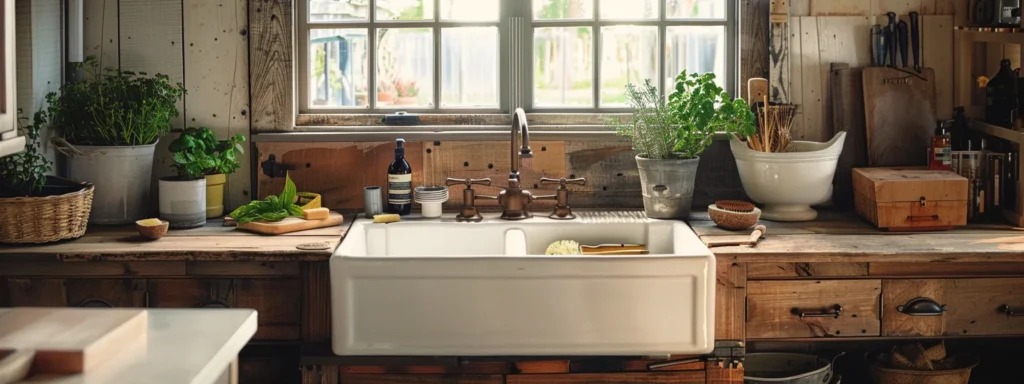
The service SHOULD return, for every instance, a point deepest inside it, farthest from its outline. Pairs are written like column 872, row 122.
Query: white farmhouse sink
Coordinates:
column 465, row 289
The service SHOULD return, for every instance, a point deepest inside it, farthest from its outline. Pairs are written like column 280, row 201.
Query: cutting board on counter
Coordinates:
column 899, row 116
column 291, row 224
column 70, row 340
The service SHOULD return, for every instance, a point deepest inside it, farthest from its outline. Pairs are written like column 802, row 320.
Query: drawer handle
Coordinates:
column 213, row 304
column 836, row 311
column 95, row 303
column 923, row 218
column 922, row 306
column 1009, row 311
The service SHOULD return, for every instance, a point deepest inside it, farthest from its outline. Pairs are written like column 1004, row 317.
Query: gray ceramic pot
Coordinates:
column 667, row 186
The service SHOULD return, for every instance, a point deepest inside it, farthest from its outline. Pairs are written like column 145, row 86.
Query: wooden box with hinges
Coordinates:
column 910, row 199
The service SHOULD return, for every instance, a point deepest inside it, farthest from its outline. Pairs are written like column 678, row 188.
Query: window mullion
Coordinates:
column 662, row 47
column 595, row 55
column 436, row 30
column 371, row 57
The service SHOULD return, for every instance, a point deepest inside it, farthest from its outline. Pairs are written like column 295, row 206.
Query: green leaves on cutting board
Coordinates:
column 273, row 208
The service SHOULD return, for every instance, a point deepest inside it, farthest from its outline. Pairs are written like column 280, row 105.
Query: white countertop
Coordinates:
column 183, row 346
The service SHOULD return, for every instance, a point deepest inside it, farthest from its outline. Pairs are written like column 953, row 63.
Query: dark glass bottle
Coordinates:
column 960, row 135
column 1001, row 96
column 400, row 182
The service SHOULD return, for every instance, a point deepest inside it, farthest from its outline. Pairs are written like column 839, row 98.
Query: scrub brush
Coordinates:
column 563, row 247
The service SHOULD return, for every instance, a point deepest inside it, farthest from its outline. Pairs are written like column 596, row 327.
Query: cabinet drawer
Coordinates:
column 980, row 306
column 275, row 300
column 797, row 309
column 899, row 296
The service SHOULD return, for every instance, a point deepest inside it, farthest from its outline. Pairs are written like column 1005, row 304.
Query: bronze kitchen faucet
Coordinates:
column 514, row 200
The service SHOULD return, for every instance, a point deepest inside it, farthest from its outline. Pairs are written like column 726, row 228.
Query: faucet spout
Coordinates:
column 520, row 128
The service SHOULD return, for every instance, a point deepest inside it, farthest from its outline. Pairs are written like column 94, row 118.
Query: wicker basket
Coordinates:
column 884, row 375
column 45, row 219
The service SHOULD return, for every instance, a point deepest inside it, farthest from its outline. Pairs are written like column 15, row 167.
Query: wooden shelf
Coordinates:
column 992, row 36
column 997, row 131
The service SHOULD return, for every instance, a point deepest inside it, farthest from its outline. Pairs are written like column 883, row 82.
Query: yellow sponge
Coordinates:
column 387, row 218
column 316, row 214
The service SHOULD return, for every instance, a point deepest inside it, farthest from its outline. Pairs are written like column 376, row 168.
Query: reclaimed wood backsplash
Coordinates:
column 339, row 170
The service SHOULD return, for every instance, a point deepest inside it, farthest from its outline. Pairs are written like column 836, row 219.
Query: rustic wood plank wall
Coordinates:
column 340, row 170
column 38, row 47
column 818, row 33
column 203, row 44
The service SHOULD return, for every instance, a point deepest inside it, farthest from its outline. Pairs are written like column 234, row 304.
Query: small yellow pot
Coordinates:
column 215, row 195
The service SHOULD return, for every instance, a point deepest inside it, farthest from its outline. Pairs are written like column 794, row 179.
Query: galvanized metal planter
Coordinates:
column 667, row 186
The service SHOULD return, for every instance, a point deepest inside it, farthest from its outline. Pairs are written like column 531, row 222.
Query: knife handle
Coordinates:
column 890, row 38
column 901, row 32
column 915, row 39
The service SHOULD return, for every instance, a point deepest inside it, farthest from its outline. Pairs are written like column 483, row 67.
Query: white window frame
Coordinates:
column 515, row 28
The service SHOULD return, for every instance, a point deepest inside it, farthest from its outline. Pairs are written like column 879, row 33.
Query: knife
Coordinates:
column 877, row 46
column 901, row 35
column 915, row 39
column 890, row 39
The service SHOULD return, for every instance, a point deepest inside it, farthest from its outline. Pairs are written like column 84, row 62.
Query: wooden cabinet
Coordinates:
column 980, row 307
column 106, row 292
column 37, row 293
column 813, row 308
column 899, row 296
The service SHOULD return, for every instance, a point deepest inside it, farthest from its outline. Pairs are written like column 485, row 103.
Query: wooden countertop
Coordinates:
column 834, row 237
column 844, row 237
column 213, row 242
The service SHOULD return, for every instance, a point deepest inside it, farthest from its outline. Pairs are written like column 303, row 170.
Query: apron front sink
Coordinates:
column 472, row 289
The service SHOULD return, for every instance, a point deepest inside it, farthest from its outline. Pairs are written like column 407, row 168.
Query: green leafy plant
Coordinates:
column 406, row 88
column 684, row 126
column 197, row 153
column 114, row 107
column 273, row 208
column 25, row 172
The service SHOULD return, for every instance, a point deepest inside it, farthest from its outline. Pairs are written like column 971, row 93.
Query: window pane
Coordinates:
column 405, row 10
column 629, row 9
column 562, row 68
column 469, row 67
column 563, row 9
column 695, row 9
column 405, row 67
column 470, row 10
column 629, row 54
column 337, row 68
column 695, row 49
column 337, row 10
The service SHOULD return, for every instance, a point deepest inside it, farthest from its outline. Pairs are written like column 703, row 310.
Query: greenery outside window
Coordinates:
column 488, row 57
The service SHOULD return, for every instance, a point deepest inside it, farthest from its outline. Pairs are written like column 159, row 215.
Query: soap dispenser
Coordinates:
column 400, row 182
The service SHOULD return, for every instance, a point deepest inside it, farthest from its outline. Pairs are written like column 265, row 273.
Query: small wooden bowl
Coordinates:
column 151, row 231
column 733, row 220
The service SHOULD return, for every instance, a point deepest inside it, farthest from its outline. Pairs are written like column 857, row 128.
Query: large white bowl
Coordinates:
column 789, row 183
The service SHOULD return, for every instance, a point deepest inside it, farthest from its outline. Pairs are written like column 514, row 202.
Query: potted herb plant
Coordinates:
column 35, row 207
column 407, row 92
column 109, row 125
column 183, row 196
column 224, row 156
column 669, row 136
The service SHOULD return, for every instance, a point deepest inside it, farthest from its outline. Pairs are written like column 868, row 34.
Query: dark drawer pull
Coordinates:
column 95, row 303
column 1010, row 312
column 836, row 311
column 923, row 218
column 213, row 304
column 922, row 306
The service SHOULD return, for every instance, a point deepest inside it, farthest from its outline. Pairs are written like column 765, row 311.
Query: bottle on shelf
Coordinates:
column 941, row 158
column 1001, row 96
column 400, row 182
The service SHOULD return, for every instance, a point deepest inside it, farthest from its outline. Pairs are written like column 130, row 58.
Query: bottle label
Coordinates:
column 943, row 156
column 400, row 189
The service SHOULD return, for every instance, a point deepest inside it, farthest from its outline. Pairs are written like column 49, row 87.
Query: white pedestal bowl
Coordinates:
column 789, row 183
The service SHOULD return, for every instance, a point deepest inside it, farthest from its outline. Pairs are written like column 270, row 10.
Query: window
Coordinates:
column 490, row 56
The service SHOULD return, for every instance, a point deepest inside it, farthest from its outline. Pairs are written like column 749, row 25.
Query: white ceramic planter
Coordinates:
column 183, row 203
column 789, row 183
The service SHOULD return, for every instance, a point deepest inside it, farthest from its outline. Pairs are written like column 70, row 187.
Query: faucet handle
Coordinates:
column 468, row 182
column 562, row 182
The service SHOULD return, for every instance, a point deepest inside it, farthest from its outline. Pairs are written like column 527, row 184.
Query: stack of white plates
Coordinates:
column 430, row 197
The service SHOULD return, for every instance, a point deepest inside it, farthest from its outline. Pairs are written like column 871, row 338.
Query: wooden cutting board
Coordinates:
column 291, row 224
column 899, row 115
column 848, row 115
column 71, row 340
